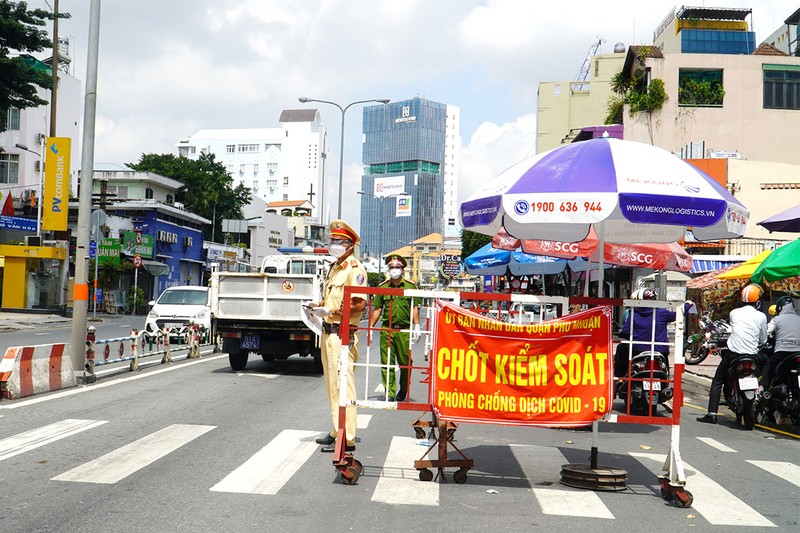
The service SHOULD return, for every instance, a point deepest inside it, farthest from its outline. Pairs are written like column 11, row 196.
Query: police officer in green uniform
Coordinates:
column 397, row 314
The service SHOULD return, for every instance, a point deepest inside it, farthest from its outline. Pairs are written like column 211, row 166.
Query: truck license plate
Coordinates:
column 250, row 342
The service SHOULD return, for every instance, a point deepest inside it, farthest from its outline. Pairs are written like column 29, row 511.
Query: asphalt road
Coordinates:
column 193, row 446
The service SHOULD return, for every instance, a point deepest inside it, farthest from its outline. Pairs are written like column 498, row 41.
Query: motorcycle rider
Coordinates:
column 748, row 334
column 643, row 331
column 786, row 330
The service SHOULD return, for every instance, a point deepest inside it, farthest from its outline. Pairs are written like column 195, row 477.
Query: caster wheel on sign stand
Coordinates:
column 350, row 475
column 460, row 476
column 425, row 474
column 683, row 499
column 419, row 432
column 358, row 466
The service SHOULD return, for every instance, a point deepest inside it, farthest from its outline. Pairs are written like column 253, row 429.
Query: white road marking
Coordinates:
column 272, row 466
column 40, row 334
column 362, row 421
column 711, row 500
column 788, row 471
column 399, row 483
column 23, row 442
column 716, row 444
column 257, row 374
column 99, row 386
column 132, row 457
column 542, row 464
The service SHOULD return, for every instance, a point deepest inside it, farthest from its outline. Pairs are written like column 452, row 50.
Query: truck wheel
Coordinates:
column 317, row 353
column 237, row 360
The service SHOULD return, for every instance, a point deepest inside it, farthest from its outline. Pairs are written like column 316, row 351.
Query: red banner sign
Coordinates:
column 553, row 373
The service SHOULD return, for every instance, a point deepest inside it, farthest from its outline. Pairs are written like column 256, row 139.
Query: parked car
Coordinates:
column 178, row 306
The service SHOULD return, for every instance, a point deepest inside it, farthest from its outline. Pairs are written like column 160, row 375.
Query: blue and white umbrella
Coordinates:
column 488, row 261
column 629, row 192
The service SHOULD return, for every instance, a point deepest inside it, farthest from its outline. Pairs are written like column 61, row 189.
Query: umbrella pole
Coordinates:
column 600, row 284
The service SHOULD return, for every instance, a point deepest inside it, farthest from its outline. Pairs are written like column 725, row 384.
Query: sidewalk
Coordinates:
column 24, row 321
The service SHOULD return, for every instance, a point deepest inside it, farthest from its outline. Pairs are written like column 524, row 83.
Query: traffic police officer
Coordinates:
column 346, row 271
column 397, row 314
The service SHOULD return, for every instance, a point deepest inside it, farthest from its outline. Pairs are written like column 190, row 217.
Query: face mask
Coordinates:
column 337, row 250
column 395, row 273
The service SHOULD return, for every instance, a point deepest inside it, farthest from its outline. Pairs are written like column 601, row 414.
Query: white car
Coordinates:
column 178, row 306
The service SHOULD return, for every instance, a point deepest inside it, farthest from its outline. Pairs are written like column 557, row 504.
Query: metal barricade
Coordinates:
column 141, row 344
column 515, row 308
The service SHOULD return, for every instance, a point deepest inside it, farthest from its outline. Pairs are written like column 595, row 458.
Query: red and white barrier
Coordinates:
column 29, row 370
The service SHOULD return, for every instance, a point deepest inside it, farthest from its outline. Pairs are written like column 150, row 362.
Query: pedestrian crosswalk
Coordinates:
column 393, row 479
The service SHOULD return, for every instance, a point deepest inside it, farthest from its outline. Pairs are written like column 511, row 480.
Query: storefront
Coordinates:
column 32, row 277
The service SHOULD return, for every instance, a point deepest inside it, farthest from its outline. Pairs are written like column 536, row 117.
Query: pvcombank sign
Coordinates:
column 55, row 206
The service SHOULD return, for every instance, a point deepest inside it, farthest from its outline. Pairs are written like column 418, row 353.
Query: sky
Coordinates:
column 168, row 68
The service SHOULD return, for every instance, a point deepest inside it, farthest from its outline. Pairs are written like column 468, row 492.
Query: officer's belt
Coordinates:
column 333, row 329
column 395, row 326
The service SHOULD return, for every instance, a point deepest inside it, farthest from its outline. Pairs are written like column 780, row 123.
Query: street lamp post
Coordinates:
column 39, row 190
column 305, row 100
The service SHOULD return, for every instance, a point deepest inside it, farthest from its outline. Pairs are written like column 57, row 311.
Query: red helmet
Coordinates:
column 752, row 293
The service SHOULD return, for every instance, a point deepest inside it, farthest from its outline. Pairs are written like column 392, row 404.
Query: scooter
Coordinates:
column 741, row 387
column 782, row 395
column 647, row 385
column 710, row 341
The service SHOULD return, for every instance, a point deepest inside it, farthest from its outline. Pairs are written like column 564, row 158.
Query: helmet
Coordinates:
column 637, row 294
column 773, row 310
column 648, row 294
column 782, row 301
column 752, row 293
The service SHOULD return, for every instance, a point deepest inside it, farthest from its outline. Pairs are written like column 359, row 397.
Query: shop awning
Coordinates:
column 155, row 268
column 711, row 263
column 187, row 260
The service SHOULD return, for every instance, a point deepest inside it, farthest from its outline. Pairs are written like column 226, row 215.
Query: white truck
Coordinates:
column 260, row 312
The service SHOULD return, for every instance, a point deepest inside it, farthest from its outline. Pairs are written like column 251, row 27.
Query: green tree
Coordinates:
column 22, row 30
column 471, row 242
column 207, row 189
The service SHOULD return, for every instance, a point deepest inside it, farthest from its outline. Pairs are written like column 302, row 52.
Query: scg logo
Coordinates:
column 521, row 207
column 571, row 247
column 641, row 258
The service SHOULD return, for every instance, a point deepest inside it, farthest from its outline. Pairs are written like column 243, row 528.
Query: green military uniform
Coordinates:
column 397, row 317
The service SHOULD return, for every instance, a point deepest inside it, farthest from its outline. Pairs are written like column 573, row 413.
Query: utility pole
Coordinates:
column 54, row 69
column 81, row 287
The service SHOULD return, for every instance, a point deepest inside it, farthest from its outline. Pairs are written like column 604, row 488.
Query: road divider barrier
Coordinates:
column 29, row 370
column 143, row 344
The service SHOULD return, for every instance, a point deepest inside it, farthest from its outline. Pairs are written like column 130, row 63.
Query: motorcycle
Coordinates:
column 741, row 387
column 782, row 395
column 710, row 341
column 647, row 385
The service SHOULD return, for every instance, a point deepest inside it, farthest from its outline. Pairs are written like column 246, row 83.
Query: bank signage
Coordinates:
column 56, row 183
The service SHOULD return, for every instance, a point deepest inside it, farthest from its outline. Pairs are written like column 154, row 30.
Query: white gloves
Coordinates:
column 415, row 334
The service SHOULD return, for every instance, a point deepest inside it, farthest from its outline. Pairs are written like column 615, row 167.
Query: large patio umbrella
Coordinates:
column 746, row 269
column 628, row 192
column 782, row 263
column 788, row 221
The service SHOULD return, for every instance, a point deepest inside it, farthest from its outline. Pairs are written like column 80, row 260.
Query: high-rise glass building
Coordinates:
column 409, row 179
